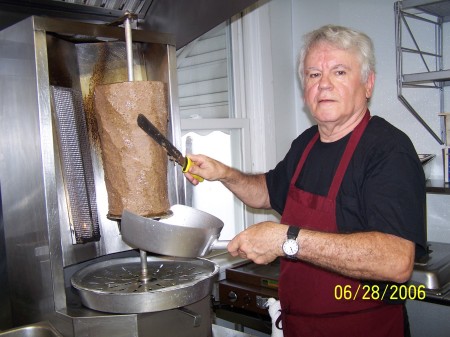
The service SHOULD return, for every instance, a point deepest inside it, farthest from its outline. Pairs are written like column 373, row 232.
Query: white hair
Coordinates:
column 342, row 38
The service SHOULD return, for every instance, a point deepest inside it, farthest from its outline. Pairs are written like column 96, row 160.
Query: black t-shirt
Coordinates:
column 383, row 188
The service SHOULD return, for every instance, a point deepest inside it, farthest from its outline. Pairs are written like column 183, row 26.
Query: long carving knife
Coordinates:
column 171, row 150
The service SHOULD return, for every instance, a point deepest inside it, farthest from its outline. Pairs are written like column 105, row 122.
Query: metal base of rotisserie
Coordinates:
column 117, row 285
column 193, row 320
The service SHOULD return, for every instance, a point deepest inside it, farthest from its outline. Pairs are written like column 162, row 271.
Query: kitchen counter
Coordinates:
column 220, row 331
column 45, row 329
column 224, row 260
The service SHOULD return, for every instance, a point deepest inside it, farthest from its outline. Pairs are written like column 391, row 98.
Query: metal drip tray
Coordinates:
column 41, row 329
column 115, row 285
column 434, row 271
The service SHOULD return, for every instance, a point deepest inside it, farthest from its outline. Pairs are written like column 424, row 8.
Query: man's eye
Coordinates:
column 314, row 75
column 340, row 72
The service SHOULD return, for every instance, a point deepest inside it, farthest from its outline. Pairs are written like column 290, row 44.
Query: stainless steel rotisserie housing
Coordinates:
column 54, row 226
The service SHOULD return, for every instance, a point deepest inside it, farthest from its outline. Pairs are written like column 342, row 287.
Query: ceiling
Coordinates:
column 185, row 19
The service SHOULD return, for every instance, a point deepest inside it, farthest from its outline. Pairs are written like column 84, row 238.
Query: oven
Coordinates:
column 244, row 292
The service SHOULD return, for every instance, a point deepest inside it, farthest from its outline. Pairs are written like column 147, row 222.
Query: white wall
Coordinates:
column 284, row 79
column 375, row 18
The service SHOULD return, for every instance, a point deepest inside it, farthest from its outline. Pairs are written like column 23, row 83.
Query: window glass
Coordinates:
column 213, row 197
column 203, row 82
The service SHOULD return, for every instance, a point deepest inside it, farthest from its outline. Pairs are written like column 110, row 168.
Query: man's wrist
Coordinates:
column 291, row 246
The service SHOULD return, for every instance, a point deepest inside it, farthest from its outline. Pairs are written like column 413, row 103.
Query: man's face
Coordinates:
column 333, row 89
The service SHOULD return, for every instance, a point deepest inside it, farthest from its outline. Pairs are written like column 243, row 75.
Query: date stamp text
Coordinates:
column 392, row 292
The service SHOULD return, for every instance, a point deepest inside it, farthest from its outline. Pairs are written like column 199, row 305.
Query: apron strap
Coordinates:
column 345, row 160
column 303, row 157
column 347, row 156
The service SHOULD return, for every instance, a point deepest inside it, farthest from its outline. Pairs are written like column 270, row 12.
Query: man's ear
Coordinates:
column 370, row 83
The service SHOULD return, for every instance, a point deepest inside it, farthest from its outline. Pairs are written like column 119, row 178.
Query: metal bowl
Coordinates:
column 189, row 232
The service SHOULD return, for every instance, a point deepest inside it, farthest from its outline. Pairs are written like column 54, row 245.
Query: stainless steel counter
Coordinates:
column 224, row 261
column 220, row 331
column 45, row 329
column 434, row 273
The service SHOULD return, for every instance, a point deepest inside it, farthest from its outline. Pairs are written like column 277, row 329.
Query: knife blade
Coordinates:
column 175, row 154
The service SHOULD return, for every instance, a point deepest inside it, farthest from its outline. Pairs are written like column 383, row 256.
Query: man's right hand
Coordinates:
column 205, row 167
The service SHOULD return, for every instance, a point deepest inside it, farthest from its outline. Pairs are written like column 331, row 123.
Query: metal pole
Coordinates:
column 144, row 268
column 129, row 45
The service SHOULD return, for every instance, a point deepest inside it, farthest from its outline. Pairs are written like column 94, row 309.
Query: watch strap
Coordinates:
column 292, row 232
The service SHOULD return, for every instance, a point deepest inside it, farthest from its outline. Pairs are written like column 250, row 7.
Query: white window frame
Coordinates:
column 253, row 90
column 241, row 125
column 252, row 99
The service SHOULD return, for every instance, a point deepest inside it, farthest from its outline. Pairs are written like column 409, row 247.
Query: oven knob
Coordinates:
column 232, row 296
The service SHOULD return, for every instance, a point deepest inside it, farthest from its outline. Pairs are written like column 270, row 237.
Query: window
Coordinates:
column 215, row 120
column 209, row 122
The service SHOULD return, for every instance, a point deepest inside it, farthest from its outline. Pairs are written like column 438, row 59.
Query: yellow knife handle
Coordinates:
column 188, row 165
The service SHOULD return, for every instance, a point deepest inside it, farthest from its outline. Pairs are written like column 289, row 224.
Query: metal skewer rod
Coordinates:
column 144, row 267
column 129, row 46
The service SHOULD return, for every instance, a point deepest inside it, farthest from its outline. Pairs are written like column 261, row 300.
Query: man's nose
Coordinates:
column 325, row 82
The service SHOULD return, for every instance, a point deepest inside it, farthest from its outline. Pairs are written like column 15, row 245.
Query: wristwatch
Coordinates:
column 290, row 246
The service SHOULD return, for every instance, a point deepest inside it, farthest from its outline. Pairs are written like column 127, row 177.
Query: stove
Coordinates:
column 248, row 286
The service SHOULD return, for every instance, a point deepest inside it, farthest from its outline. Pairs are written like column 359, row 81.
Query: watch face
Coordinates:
column 290, row 247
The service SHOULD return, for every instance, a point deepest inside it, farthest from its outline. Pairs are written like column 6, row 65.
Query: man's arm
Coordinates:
column 368, row 255
column 251, row 189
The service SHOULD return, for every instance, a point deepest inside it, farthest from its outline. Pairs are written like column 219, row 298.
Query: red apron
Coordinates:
column 307, row 292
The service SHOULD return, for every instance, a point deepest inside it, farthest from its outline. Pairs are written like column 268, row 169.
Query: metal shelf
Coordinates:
column 437, row 187
column 427, row 77
column 434, row 13
column 438, row 8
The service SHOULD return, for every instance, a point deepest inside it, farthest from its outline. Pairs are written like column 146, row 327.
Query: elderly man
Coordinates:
column 351, row 192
